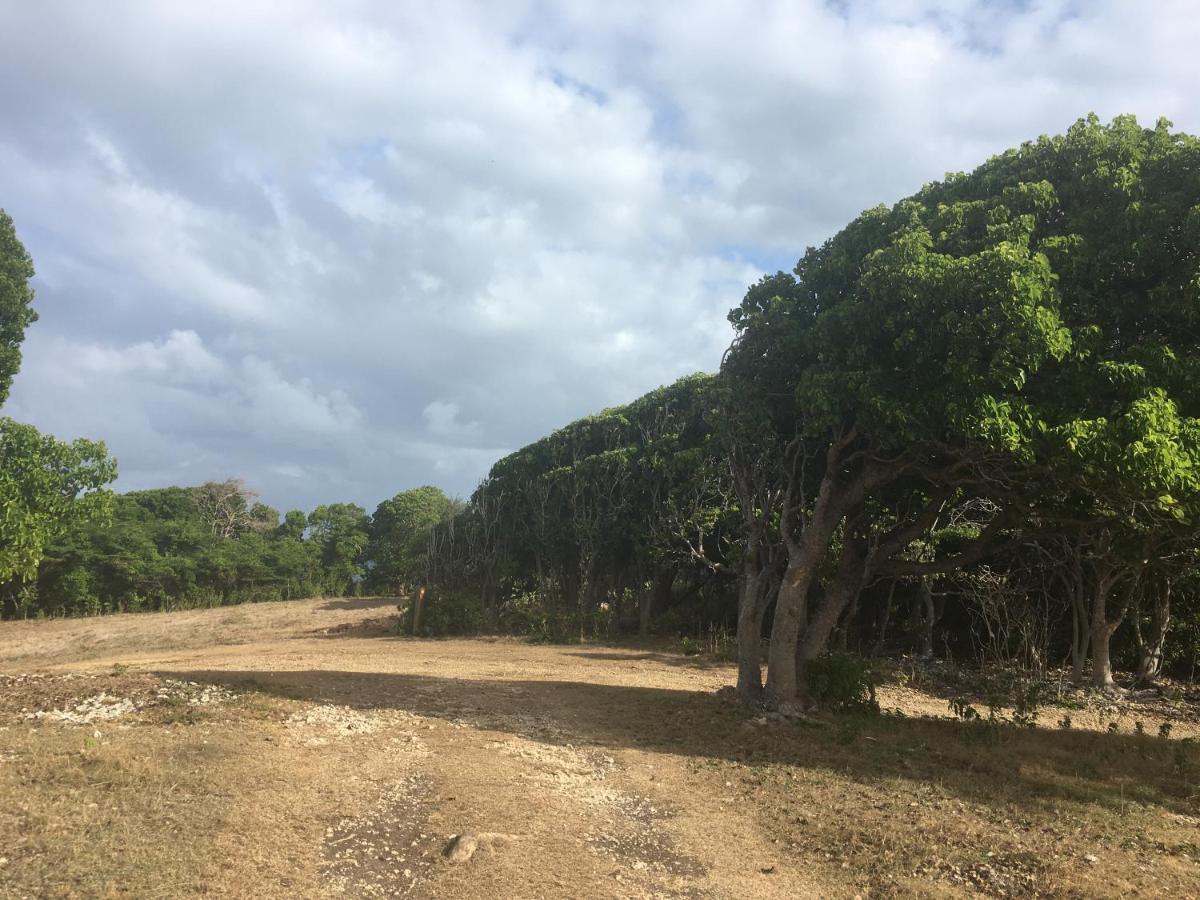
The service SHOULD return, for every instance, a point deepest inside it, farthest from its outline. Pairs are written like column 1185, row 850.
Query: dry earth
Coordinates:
column 303, row 750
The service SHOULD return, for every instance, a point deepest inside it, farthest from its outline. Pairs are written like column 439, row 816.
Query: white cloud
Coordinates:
column 275, row 239
column 442, row 420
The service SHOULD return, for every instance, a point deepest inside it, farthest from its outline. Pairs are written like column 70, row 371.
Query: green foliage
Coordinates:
column 842, row 681
column 340, row 531
column 46, row 485
column 1002, row 690
column 16, row 302
column 450, row 612
column 159, row 551
column 399, row 536
column 531, row 614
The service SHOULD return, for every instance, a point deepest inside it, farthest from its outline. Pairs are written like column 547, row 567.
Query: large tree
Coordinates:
column 45, row 484
column 340, row 531
column 1031, row 322
column 399, row 536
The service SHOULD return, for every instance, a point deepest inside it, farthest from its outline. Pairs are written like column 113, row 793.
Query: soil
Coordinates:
column 306, row 749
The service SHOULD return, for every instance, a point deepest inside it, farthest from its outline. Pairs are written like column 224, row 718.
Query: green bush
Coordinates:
column 842, row 681
column 451, row 612
column 530, row 614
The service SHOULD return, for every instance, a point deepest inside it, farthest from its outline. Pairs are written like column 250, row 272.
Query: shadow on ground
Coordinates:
column 394, row 627
column 997, row 765
column 360, row 603
column 619, row 654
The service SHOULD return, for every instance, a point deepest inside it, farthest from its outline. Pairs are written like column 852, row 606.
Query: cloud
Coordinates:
column 442, row 420
column 342, row 253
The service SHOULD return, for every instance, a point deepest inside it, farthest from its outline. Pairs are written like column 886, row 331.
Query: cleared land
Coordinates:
column 302, row 749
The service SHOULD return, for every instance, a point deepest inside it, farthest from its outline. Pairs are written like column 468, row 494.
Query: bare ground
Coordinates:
column 303, row 750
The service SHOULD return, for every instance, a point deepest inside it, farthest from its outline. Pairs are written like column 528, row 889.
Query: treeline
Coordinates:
column 969, row 421
column 966, row 424
column 215, row 544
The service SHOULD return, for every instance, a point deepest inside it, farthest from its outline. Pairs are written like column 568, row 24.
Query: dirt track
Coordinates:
column 332, row 757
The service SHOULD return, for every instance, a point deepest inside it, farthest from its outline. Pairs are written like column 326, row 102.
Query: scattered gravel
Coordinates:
column 107, row 705
column 335, row 721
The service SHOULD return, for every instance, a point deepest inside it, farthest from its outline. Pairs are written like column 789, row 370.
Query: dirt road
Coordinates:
column 303, row 749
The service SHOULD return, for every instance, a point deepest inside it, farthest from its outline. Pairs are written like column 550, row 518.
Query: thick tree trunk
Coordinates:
column 782, row 677
column 1151, row 644
column 804, row 560
column 749, row 639
column 841, row 593
column 1102, row 676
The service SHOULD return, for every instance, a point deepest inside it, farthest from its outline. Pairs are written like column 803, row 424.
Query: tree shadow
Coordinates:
column 359, row 603
column 374, row 627
column 670, row 659
column 1034, row 768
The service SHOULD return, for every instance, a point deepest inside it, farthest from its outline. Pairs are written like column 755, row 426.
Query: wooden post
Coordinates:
column 417, row 610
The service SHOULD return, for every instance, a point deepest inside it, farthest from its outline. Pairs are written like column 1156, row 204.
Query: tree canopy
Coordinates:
column 16, row 301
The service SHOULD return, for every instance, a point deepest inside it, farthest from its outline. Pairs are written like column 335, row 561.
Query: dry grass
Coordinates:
column 337, row 759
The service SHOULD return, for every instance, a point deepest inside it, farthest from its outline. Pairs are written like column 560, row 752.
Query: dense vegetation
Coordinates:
column 213, row 545
column 968, row 424
column 973, row 415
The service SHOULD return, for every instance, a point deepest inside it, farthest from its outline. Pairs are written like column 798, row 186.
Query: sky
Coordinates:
column 343, row 249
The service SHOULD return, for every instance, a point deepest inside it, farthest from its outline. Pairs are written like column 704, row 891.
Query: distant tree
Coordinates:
column 294, row 524
column 340, row 532
column 399, row 536
column 227, row 508
column 262, row 519
column 159, row 551
column 45, row 486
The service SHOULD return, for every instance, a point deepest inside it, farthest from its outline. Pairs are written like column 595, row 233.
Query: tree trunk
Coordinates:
column 1102, row 676
column 1150, row 646
column 841, row 593
column 749, row 639
column 791, row 606
column 417, row 610
column 782, row 676
column 1081, row 639
column 1102, row 632
column 929, row 619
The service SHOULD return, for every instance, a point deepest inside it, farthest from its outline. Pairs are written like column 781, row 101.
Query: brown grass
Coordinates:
column 346, row 757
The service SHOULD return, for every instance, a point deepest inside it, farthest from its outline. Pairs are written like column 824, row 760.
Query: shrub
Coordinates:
column 531, row 614
column 451, row 612
column 842, row 681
